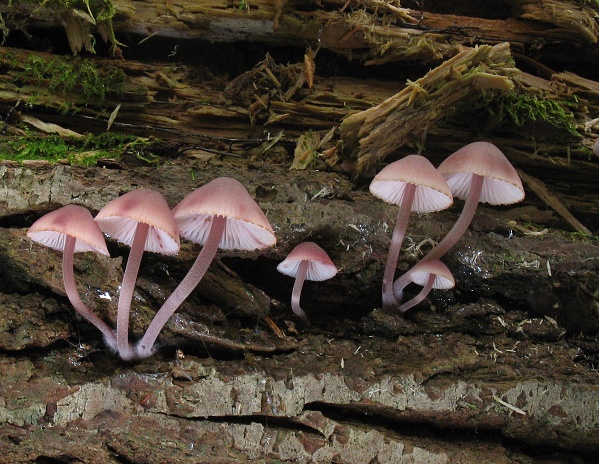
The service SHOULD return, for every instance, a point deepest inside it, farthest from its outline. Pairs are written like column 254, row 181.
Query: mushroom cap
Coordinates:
column 432, row 192
column 320, row 267
column 119, row 218
column 501, row 186
column 247, row 227
column 421, row 272
column 76, row 221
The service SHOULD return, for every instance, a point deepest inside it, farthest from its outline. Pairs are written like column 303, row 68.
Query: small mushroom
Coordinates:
column 429, row 274
column 220, row 214
column 71, row 229
column 414, row 184
column 477, row 172
column 307, row 261
column 143, row 220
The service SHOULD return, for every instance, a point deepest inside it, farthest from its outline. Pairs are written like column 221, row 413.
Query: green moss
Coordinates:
column 67, row 75
column 81, row 151
column 580, row 237
column 524, row 108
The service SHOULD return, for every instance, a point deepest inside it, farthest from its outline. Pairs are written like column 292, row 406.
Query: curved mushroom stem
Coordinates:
column 421, row 296
column 145, row 346
column 399, row 232
column 452, row 237
column 297, row 290
column 70, row 287
column 127, row 288
column 461, row 225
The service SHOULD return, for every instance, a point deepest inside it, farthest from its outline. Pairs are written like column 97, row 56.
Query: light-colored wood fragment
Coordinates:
column 371, row 135
column 551, row 200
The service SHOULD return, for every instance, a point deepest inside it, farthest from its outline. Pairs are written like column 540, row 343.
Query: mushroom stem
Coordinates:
column 73, row 295
column 297, row 290
column 127, row 288
column 452, row 237
column 461, row 225
column 399, row 232
column 421, row 296
column 145, row 346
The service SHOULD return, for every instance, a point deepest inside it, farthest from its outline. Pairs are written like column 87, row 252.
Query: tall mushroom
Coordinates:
column 220, row 214
column 414, row 184
column 71, row 229
column 477, row 172
column 307, row 261
column 143, row 220
column 428, row 274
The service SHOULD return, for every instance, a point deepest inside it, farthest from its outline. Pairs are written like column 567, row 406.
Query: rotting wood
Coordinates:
column 160, row 100
column 178, row 103
column 171, row 102
column 370, row 30
column 485, row 350
column 541, row 190
column 370, row 135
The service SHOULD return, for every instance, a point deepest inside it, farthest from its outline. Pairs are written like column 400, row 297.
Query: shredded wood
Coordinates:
column 373, row 134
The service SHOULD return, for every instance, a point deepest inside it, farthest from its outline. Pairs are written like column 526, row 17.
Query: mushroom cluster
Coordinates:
column 222, row 215
column 478, row 172
column 414, row 184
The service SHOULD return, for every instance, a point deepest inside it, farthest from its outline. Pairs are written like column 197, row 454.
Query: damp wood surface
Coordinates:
column 303, row 102
column 512, row 351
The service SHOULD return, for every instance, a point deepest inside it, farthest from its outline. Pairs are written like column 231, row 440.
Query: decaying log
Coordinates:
column 373, row 134
column 371, row 30
column 273, row 100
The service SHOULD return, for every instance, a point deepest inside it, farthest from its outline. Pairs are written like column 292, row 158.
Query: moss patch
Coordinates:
column 65, row 76
column 82, row 151
column 523, row 108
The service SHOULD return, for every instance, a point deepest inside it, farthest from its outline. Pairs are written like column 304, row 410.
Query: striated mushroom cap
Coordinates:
column 501, row 186
column 421, row 272
column 76, row 221
column 247, row 227
column 320, row 266
column 432, row 192
column 119, row 219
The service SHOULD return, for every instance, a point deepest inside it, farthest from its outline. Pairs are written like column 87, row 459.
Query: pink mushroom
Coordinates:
column 71, row 229
column 414, row 184
column 142, row 220
column 220, row 214
column 477, row 172
column 429, row 274
column 307, row 261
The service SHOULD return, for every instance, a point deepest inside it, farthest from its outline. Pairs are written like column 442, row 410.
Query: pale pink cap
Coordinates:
column 432, row 192
column 501, row 186
column 52, row 230
column 320, row 265
column 119, row 219
column 247, row 227
column 421, row 272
